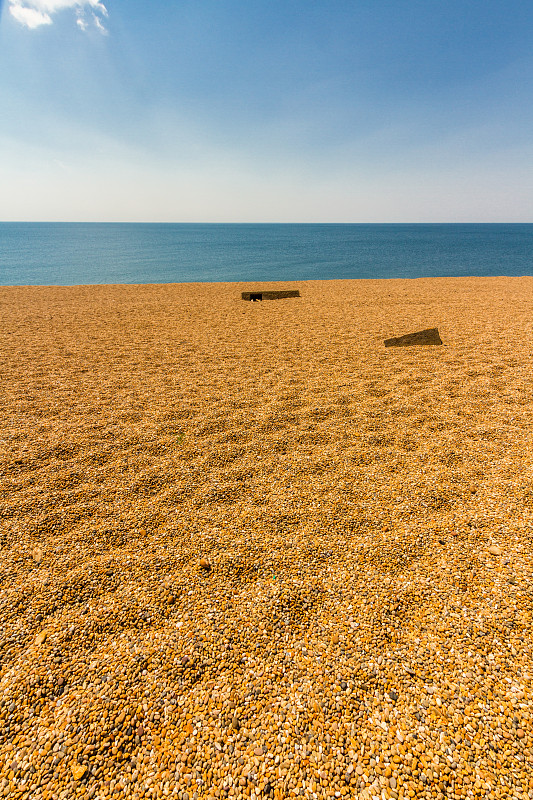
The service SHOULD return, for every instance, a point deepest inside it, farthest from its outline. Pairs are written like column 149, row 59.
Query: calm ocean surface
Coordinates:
column 94, row 253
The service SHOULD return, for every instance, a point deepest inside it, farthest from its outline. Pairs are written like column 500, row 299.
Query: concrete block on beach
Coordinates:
column 275, row 295
column 429, row 336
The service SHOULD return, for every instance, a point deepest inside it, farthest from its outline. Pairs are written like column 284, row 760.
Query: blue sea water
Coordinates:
column 99, row 253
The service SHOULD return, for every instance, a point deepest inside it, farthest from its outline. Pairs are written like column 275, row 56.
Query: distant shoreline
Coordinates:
column 264, row 284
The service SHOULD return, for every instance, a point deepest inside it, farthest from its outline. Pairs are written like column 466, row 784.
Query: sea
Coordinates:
column 69, row 254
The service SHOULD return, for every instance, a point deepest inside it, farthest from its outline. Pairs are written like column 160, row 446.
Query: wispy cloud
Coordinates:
column 35, row 13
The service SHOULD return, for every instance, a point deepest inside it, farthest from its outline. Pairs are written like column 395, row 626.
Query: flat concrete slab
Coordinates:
column 429, row 336
column 275, row 295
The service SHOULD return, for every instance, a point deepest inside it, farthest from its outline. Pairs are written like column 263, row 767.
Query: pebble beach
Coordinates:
column 246, row 551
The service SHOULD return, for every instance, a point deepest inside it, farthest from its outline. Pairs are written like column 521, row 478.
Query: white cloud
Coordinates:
column 29, row 17
column 34, row 13
column 98, row 24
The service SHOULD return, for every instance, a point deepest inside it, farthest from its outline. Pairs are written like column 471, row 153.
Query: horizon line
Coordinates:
column 206, row 222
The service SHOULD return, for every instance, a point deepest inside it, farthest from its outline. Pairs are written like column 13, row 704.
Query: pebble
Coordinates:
column 495, row 550
column 78, row 771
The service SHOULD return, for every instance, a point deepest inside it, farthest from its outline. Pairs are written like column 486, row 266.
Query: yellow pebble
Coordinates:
column 78, row 771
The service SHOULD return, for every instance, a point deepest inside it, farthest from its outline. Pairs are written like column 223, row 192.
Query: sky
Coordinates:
column 266, row 110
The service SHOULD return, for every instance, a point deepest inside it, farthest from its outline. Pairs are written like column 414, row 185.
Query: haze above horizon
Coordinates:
column 292, row 111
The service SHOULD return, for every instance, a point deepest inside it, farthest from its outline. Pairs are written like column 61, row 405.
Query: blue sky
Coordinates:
column 398, row 111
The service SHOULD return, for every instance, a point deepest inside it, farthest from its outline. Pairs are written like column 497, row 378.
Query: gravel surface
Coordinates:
column 249, row 552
